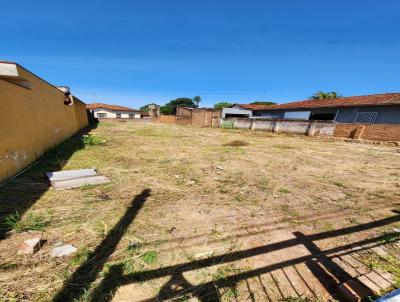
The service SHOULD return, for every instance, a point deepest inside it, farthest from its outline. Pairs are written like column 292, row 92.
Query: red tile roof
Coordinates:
column 109, row 107
column 364, row 100
column 252, row 106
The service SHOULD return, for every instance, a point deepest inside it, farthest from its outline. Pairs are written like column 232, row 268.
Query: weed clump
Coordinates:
column 92, row 140
column 31, row 222
column 133, row 246
column 81, row 256
column 149, row 257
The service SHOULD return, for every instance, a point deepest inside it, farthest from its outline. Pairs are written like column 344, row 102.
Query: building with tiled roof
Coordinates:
column 101, row 110
column 366, row 109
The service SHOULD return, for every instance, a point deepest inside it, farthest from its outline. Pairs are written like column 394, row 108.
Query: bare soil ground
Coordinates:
column 190, row 216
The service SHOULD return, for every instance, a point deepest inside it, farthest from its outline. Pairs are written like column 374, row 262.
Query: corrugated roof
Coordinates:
column 109, row 107
column 364, row 100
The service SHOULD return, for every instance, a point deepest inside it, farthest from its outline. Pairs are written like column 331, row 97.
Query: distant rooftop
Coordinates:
column 364, row 100
column 109, row 107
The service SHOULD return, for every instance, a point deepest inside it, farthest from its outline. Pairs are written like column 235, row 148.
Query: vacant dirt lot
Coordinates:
column 200, row 213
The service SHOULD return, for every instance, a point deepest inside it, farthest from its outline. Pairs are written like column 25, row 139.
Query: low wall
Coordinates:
column 168, row 119
column 183, row 120
column 379, row 132
column 267, row 125
column 124, row 120
column 242, row 123
column 345, row 130
column 299, row 127
column 33, row 120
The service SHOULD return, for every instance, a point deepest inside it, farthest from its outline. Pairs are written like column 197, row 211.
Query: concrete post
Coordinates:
column 253, row 124
column 358, row 133
column 312, row 128
column 276, row 126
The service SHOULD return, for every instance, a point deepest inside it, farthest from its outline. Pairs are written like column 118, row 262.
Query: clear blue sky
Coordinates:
column 134, row 52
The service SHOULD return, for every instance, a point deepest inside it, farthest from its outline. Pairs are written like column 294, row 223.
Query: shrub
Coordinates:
column 91, row 140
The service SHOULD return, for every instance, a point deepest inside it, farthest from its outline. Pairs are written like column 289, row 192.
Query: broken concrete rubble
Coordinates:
column 30, row 246
column 64, row 250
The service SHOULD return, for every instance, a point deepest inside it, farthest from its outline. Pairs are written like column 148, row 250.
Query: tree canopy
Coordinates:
column 263, row 103
column 320, row 95
column 170, row 107
column 145, row 108
column 221, row 105
column 197, row 100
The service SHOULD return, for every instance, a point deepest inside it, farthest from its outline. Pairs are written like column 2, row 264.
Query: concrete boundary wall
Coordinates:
column 378, row 132
column 299, row 127
column 168, row 119
column 183, row 120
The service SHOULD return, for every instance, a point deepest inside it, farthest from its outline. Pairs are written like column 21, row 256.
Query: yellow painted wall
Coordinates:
column 32, row 121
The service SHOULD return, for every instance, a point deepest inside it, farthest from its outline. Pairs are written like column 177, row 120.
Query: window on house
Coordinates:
column 118, row 115
column 322, row 116
column 102, row 115
column 297, row 115
column 131, row 115
column 366, row 117
column 228, row 115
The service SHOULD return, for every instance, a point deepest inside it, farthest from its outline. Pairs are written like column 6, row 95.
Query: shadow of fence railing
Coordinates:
column 318, row 261
column 87, row 273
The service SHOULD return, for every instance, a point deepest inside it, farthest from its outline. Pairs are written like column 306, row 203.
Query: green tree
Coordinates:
column 197, row 100
column 170, row 107
column 263, row 103
column 145, row 108
column 221, row 105
column 320, row 95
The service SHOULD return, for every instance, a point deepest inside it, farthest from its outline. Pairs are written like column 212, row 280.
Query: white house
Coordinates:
column 100, row 110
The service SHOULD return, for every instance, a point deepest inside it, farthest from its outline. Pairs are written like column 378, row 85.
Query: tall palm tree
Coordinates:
column 320, row 95
column 197, row 100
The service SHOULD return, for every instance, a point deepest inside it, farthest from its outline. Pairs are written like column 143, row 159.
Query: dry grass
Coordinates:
column 236, row 144
column 206, row 199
